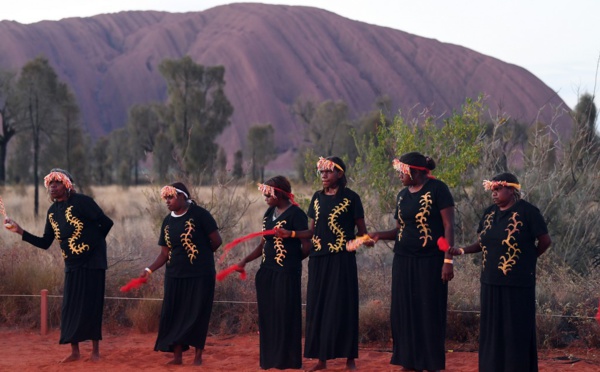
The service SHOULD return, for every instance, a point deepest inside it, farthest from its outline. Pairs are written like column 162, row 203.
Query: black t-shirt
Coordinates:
column 283, row 254
column 80, row 226
column 508, row 241
column 187, row 237
column 335, row 219
column 420, row 220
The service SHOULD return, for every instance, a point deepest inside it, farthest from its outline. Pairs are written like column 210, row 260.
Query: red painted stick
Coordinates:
column 598, row 314
column 225, row 272
column 237, row 241
column 133, row 283
column 443, row 244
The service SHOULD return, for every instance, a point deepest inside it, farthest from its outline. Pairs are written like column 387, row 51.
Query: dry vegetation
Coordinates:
column 566, row 300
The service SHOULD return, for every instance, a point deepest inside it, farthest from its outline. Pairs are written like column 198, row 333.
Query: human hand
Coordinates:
column 11, row 225
column 456, row 251
column 447, row 272
column 241, row 266
column 282, row 233
column 374, row 237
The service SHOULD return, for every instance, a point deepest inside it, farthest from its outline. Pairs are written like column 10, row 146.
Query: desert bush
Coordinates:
column 556, row 174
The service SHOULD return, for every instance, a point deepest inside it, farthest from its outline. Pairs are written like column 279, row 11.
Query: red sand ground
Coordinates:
column 28, row 351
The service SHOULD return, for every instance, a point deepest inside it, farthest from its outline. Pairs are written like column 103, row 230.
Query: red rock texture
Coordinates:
column 272, row 55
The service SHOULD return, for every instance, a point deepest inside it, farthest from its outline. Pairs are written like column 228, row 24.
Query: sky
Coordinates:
column 556, row 40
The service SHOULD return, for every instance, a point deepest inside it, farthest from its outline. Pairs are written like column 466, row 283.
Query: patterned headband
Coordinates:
column 172, row 191
column 60, row 177
column 489, row 185
column 270, row 190
column 326, row 164
column 405, row 168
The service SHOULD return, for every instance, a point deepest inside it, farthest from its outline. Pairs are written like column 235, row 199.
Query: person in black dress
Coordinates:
column 332, row 292
column 512, row 234
column 189, row 236
column 420, row 271
column 278, row 281
column 81, row 227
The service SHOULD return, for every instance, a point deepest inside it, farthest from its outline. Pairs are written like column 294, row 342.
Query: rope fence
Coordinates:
column 44, row 307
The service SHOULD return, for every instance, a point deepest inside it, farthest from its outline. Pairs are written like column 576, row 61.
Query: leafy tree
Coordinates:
column 143, row 124
column 456, row 145
column 9, row 111
column 162, row 155
column 198, row 111
column 328, row 130
column 261, row 149
column 99, row 165
column 120, row 158
column 67, row 142
column 238, row 166
column 38, row 87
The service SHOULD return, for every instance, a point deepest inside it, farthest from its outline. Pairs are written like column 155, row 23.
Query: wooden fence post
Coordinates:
column 44, row 312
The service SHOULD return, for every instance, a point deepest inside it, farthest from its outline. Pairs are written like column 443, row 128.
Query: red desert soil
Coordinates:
column 126, row 350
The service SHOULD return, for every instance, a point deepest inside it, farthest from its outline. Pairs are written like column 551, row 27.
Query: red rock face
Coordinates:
column 272, row 55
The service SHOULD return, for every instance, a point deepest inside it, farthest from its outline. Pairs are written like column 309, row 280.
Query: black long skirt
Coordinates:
column 507, row 340
column 332, row 307
column 83, row 303
column 185, row 314
column 279, row 318
column 418, row 313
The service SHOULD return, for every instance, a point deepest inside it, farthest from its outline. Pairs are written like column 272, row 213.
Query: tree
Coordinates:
column 238, row 166
column 328, row 130
column 67, row 143
column 99, row 164
column 143, row 124
column 9, row 111
column 585, row 123
column 38, row 91
column 198, row 111
column 261, row 149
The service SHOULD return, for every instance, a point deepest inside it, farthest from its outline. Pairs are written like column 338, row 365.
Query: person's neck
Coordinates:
column 417, row 186
column 281, row 207
column 332, row 190
column 507, row 205
column 181, row 211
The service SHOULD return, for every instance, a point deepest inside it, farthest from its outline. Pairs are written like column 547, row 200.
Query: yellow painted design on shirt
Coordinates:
column 75, row 222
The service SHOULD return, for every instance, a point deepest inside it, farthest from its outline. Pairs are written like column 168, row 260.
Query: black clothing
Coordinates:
column 332, row 292
column 189, row 279
column 278, row 292
column 81, row 228
column 187, row 237
column 507, row 335
column 419, row 296
column 508, row 241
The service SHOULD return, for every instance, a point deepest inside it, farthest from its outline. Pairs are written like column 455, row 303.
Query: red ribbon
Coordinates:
column 225, row 272
column 237, row 241
column 133, row 283
column 443, row 244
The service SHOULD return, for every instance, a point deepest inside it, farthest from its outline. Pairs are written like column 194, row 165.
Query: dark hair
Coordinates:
column 343, row 181
column 509, row 177
column 66, row 173
column 281, row 183
column 418, row 160
column 181, row 186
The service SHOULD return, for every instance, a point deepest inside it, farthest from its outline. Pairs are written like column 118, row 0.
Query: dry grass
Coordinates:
column 566, row 301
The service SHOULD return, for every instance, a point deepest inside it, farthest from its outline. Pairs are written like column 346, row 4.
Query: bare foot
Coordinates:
column 198, row 357
column 175, row 362
column 350, row 365
column 94, row 357
column 319, row 366
column 71, row 358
